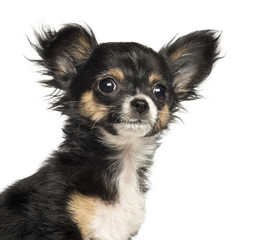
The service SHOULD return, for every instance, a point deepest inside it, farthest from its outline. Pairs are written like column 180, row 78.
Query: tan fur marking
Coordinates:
column 177, row 54
column 61, row 70
column 154, row 78
column 163, row 118
column 79, row 50
column 90, row 108
column 116, row 73
column 83, row 42
column 83, row 210
column 81, row 47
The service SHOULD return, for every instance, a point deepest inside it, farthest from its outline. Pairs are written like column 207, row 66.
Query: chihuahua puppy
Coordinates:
column 118, row 98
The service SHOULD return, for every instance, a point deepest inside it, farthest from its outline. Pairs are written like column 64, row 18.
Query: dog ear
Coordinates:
column 190, row 59
column 63, row 52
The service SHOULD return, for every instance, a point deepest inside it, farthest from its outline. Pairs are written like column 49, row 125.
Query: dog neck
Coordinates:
column 108, row 162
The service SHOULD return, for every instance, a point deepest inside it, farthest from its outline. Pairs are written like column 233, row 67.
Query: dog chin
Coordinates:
column 133, row 129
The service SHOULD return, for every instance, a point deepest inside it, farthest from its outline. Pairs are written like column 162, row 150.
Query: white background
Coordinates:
column 204, row 181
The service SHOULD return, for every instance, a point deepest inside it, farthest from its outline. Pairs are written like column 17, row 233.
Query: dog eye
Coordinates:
column 160, row 91
column 107, row 85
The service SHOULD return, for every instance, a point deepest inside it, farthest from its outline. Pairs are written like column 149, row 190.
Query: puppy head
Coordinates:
column 125, row 88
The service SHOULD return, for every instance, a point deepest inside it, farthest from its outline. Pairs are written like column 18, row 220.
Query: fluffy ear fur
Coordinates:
column 190, row 59
column 63, row 52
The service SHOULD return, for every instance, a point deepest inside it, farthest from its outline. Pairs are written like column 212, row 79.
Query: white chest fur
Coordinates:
column 121, row 220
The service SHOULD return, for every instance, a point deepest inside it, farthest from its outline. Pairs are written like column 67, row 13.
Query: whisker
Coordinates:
column 166, row 112
column 119, row 118
column 99, row 118
column 97, row 104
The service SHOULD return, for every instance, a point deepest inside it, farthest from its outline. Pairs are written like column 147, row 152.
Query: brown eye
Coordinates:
column 107, row 85
column 160, row 91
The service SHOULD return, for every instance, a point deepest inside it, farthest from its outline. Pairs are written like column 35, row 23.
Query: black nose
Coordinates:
column 140, row 105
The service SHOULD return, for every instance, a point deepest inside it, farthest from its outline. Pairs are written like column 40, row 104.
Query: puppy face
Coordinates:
column 124, row 88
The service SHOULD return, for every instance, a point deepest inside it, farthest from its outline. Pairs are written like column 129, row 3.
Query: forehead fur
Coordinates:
column 127, row 56
column 154, row 77
column 116, row 73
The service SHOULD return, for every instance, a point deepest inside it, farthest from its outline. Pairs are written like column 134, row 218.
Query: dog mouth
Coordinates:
column 136, row 121
column 128, row 120
column 134, row 127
